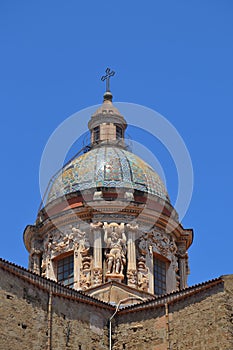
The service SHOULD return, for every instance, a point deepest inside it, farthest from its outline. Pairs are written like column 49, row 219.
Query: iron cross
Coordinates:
column 107, row 77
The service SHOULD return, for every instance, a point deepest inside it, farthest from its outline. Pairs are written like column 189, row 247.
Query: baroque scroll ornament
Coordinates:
column 158, row 242
column 58, row 243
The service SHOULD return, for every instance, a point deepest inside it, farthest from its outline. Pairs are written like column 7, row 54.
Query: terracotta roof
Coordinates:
column 66, row 292
column 173, row 297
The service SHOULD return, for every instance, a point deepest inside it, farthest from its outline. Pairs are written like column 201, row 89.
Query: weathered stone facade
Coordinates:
column 37, row 313
column 104, row 251
column 199, row 319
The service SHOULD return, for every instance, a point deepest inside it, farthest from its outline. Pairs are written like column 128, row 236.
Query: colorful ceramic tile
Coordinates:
column 107, row 167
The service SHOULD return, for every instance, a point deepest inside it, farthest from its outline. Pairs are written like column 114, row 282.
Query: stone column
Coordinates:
column 150, row 265
column 131, row 252
column 77, row 265
column 181, row 253
column 97, row 230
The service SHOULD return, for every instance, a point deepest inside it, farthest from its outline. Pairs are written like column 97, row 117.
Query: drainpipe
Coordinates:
column 113, row 315
column 50, row 321
column 168, row 326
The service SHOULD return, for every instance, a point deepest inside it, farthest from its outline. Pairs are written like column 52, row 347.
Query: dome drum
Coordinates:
column 106, row 197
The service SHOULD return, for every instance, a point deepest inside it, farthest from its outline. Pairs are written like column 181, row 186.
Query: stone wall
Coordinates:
column 141, row 330
column 198, row 318
column 202, row 322
column 198, row 321
column 25, row 322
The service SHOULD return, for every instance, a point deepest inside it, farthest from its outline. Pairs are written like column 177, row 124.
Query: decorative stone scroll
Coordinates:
column 74, row 240
column 162, row 244
column 97, row 276
column 85, row 275
column 132, row 278
column 82, row 250
column 58, row 243
column 143, row 277
column 115, row 239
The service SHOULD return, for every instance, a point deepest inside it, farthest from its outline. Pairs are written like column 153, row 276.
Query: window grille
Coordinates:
column 119, row 132
column 159, row 276
column 65, row 271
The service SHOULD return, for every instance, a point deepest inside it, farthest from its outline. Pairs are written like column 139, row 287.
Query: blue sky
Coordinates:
column 172, row 56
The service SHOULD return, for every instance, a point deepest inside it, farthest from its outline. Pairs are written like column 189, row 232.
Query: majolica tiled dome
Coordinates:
column 107, row 166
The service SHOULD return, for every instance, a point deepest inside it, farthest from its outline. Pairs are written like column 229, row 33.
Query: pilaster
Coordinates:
column 150, row 264
column 131, row 253
column 97, row 230
column 182, row 257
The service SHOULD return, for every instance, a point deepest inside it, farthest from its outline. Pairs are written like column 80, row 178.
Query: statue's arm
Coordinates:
column 106, row 239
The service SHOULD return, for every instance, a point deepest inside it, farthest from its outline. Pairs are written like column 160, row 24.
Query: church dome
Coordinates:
column 108, row 219
column 107, row 167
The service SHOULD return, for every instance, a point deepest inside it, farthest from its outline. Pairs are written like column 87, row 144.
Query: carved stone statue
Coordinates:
column 80, row 237
column 114, row 237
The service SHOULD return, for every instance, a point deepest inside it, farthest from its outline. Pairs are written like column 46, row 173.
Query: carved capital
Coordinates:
column 96, row 226
column 181, row 250
column 132, row 227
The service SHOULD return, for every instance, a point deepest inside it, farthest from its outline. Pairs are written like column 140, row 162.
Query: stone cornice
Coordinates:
column 99, row 211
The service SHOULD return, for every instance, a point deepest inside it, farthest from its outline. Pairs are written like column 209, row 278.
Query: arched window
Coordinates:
column 65, row 270
column 96, row 134
column 160, row 268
